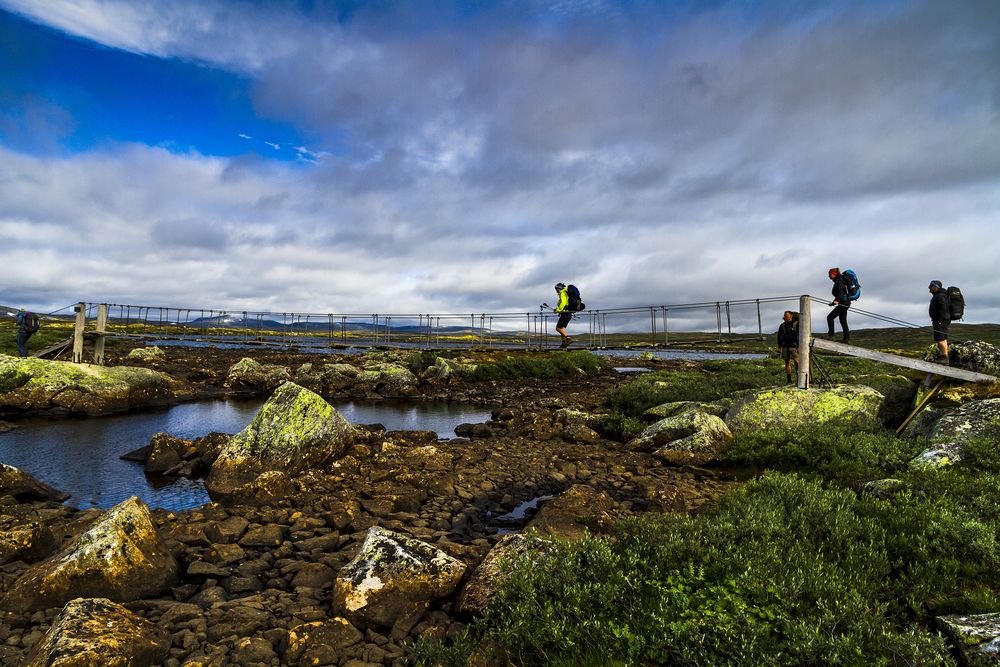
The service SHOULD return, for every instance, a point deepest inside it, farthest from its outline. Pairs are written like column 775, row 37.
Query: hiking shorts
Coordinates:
column 941, row 330
column 789, row 352
column 564, row 319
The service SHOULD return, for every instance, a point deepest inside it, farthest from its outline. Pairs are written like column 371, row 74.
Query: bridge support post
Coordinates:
column 102, row 323
column 805, row 336
column 81, row 321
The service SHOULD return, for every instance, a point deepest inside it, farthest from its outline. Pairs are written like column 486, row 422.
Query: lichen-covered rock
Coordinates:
column 121, row 558
column 165, row 452
column 390, row 380
column 790, row 407
column 304, row 640
column 28, row 543
column 951, row 429
column 392, row 576
column 692, row 437
column 96, row 632
column 977, row 356
column 41, row 385
column 265, row 489
column 295, row 430
column 23, row 487
column 883, row 488
column 444, row 369
column 152, row 353
column 977, row 637
column 563, row 515
column 489, row 575
column 249, row 374
column 665, row 410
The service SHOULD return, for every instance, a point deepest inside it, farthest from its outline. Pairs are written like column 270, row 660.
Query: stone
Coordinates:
column 96, row 632
column 689, row 438
column 268, row 536
column 250, row 650
column 165, row 452
column 561, row 516
column 313, row 575
column 581, row 434
column 250, row 374
column 147, row 354
column 294, row 431
column 789, row 407
column 489, row 575
column 976, row 637
column 392, row 575
column 31, row 385
column 22, row 487
column 304, row 640
column 976, row 355
column 387, row 379
column 952, row 429
column 27, row 543
column 671, row 409
column 883, row 488
column 121, row 558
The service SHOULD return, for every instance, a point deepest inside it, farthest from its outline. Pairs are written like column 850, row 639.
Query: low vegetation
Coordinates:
column 798, row 566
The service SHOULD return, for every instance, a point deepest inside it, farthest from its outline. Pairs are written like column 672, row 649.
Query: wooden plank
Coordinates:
column 905, row 362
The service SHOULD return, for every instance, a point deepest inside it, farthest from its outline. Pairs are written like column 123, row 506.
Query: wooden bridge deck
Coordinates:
column 896, row 360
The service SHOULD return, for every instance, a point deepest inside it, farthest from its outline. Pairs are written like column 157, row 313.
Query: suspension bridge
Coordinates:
column 667, row 325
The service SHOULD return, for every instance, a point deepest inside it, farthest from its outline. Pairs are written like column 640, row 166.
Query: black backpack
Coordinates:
column 956, row 303
column 575, row 302
column 30, row 322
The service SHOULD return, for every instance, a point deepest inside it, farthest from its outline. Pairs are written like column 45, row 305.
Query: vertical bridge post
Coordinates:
column 102, row 323
column 805, row 336
column 81, row 321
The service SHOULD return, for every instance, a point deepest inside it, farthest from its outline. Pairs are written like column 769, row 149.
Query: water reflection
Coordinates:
column 81, row 456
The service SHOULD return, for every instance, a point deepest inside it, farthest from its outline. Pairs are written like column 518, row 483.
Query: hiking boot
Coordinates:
column 789, row 377
column 566, row 341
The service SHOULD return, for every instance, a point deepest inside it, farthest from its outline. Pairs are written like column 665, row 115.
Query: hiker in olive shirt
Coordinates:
column 788, row 342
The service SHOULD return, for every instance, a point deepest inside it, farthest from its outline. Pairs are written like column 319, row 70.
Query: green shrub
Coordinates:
column 711, row 380
column 13, row 378
column 782, row 572
column 848, row 453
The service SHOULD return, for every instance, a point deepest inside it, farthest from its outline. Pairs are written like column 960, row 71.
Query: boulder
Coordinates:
column 975, row 355
column 393, row 576
column 23, row 487
column 165, row 452
column 147, row 354
column 295, row 430
column 121, row 558
column 490, row 574
column 96, row 632
column 390, row 380
column 304, row 641
column 665, row 410
column 976, row 638
column 445, row 369
column 692, row 437
column 255, row 376
column 27, row 543
column 41, row 385
column 952, row 429
column 789, row 407
column 562, row 516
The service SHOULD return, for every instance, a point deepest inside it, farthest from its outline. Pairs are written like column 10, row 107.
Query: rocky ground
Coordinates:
column 255, row 582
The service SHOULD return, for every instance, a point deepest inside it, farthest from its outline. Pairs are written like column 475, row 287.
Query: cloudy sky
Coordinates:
column 464, row 156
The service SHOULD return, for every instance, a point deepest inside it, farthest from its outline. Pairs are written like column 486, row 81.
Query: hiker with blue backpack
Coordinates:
column 846, row 289
column 569, row 303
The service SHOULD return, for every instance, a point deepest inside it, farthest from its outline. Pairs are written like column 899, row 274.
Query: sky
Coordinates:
column 460, row 157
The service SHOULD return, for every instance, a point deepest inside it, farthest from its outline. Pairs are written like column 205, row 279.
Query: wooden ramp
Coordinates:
column 896, row 360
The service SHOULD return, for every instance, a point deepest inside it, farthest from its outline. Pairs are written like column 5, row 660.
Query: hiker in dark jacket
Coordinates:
column 27, row 325
column 940, row 312
column 841, row 302
column 788, row 342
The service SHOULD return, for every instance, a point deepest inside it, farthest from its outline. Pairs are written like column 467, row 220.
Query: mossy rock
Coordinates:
column 35, row 385
column 788, row 407
column 295, row 430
